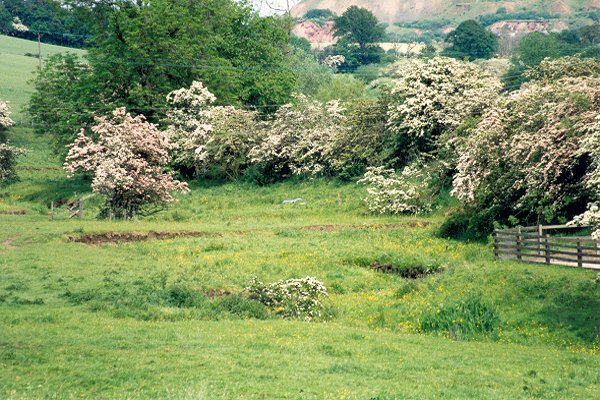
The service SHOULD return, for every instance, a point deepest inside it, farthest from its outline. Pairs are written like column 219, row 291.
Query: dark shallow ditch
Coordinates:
column 125, row 237
column 416, row 271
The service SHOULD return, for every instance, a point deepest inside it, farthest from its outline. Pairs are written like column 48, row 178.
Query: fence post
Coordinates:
column 579, row 254
column 496, row 249
column 519, row 244
column 540, row 233
column 52, row 211
column 547, row 248
column 80, row 209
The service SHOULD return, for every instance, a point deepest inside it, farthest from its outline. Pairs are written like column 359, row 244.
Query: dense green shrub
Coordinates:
column 502, row 15
column 406, row 267
column 467, row 225
column 424, row 23
column 241, row 306
column 154, row 298
column 462, row 319
column 472, row 41
column 8, row 161
column 536, row 47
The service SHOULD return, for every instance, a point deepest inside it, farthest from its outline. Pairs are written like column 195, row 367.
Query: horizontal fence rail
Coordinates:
column 534, row 244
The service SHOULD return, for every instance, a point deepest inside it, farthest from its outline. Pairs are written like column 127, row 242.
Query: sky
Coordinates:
column 263, row 5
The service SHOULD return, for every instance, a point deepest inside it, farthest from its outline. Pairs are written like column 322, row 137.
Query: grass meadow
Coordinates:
column 18, row 62
column 167, row 318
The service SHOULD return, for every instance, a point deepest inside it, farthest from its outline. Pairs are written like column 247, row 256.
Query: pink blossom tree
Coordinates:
column 127, row 156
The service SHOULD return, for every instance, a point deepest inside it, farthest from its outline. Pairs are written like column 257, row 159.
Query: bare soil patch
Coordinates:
column 336, row 227
column 125, row 237
column 14, row 211
column 8, row 243
column 216, row 293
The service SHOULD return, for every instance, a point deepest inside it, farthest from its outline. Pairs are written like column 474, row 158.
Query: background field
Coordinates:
column 16, row 69
column 80, row 320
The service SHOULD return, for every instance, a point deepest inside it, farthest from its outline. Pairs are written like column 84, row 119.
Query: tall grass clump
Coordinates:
column 466, row 318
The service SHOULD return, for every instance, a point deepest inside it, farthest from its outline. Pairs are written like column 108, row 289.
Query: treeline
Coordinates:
column 142, row 52
column 535, row 47
column 224, row 95
column 63, row 22
column 503, row 15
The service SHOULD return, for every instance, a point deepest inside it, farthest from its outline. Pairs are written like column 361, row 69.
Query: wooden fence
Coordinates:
column 535, row 244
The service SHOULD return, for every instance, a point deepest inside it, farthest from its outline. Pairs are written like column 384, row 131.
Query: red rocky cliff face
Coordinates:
column 315, row 33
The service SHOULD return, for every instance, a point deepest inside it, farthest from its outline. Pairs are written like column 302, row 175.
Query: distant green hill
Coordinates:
column 18, row 62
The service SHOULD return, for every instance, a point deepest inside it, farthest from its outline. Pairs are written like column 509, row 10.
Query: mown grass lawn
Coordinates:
column 80, row 320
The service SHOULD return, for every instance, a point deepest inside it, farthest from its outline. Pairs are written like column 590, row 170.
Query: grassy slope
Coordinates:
column 546, row 346
column 16, row 69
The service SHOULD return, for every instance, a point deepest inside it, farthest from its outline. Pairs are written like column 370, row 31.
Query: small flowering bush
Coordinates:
column 127, row 157
column 591, row 217
column 294, row 298
column 334, row 61
column 5, row 120
column 8, row 154
column 390, row 193
column 19, row 26
column 550, row 70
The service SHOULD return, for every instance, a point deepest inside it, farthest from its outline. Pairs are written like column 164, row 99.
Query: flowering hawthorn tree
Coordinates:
column 19, row 26
column 8, row 154
column 391, row 193
column 334, row 61
column 302, row 138
column 127, row 156
column 188, row 129
column 535, row 155
column 436, row 96
column 5, row 120
column 210, row 137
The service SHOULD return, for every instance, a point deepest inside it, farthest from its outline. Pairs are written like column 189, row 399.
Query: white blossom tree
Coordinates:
column 302, row 137
column 432, row 97
column 535, row 155
column 8, row 154
column 208, row 137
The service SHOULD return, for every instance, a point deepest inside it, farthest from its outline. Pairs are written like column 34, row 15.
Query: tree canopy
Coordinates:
column 145, row 50
column 471, row 40
column 359, row 25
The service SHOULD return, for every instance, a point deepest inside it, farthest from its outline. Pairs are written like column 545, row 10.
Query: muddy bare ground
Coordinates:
column 14, row 211
column 125, row 237
column 335, row 227
column 217, row 293
column 8, row 244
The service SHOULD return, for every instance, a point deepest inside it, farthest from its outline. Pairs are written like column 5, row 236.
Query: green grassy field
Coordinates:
column 101, row 321
column 17, row 68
